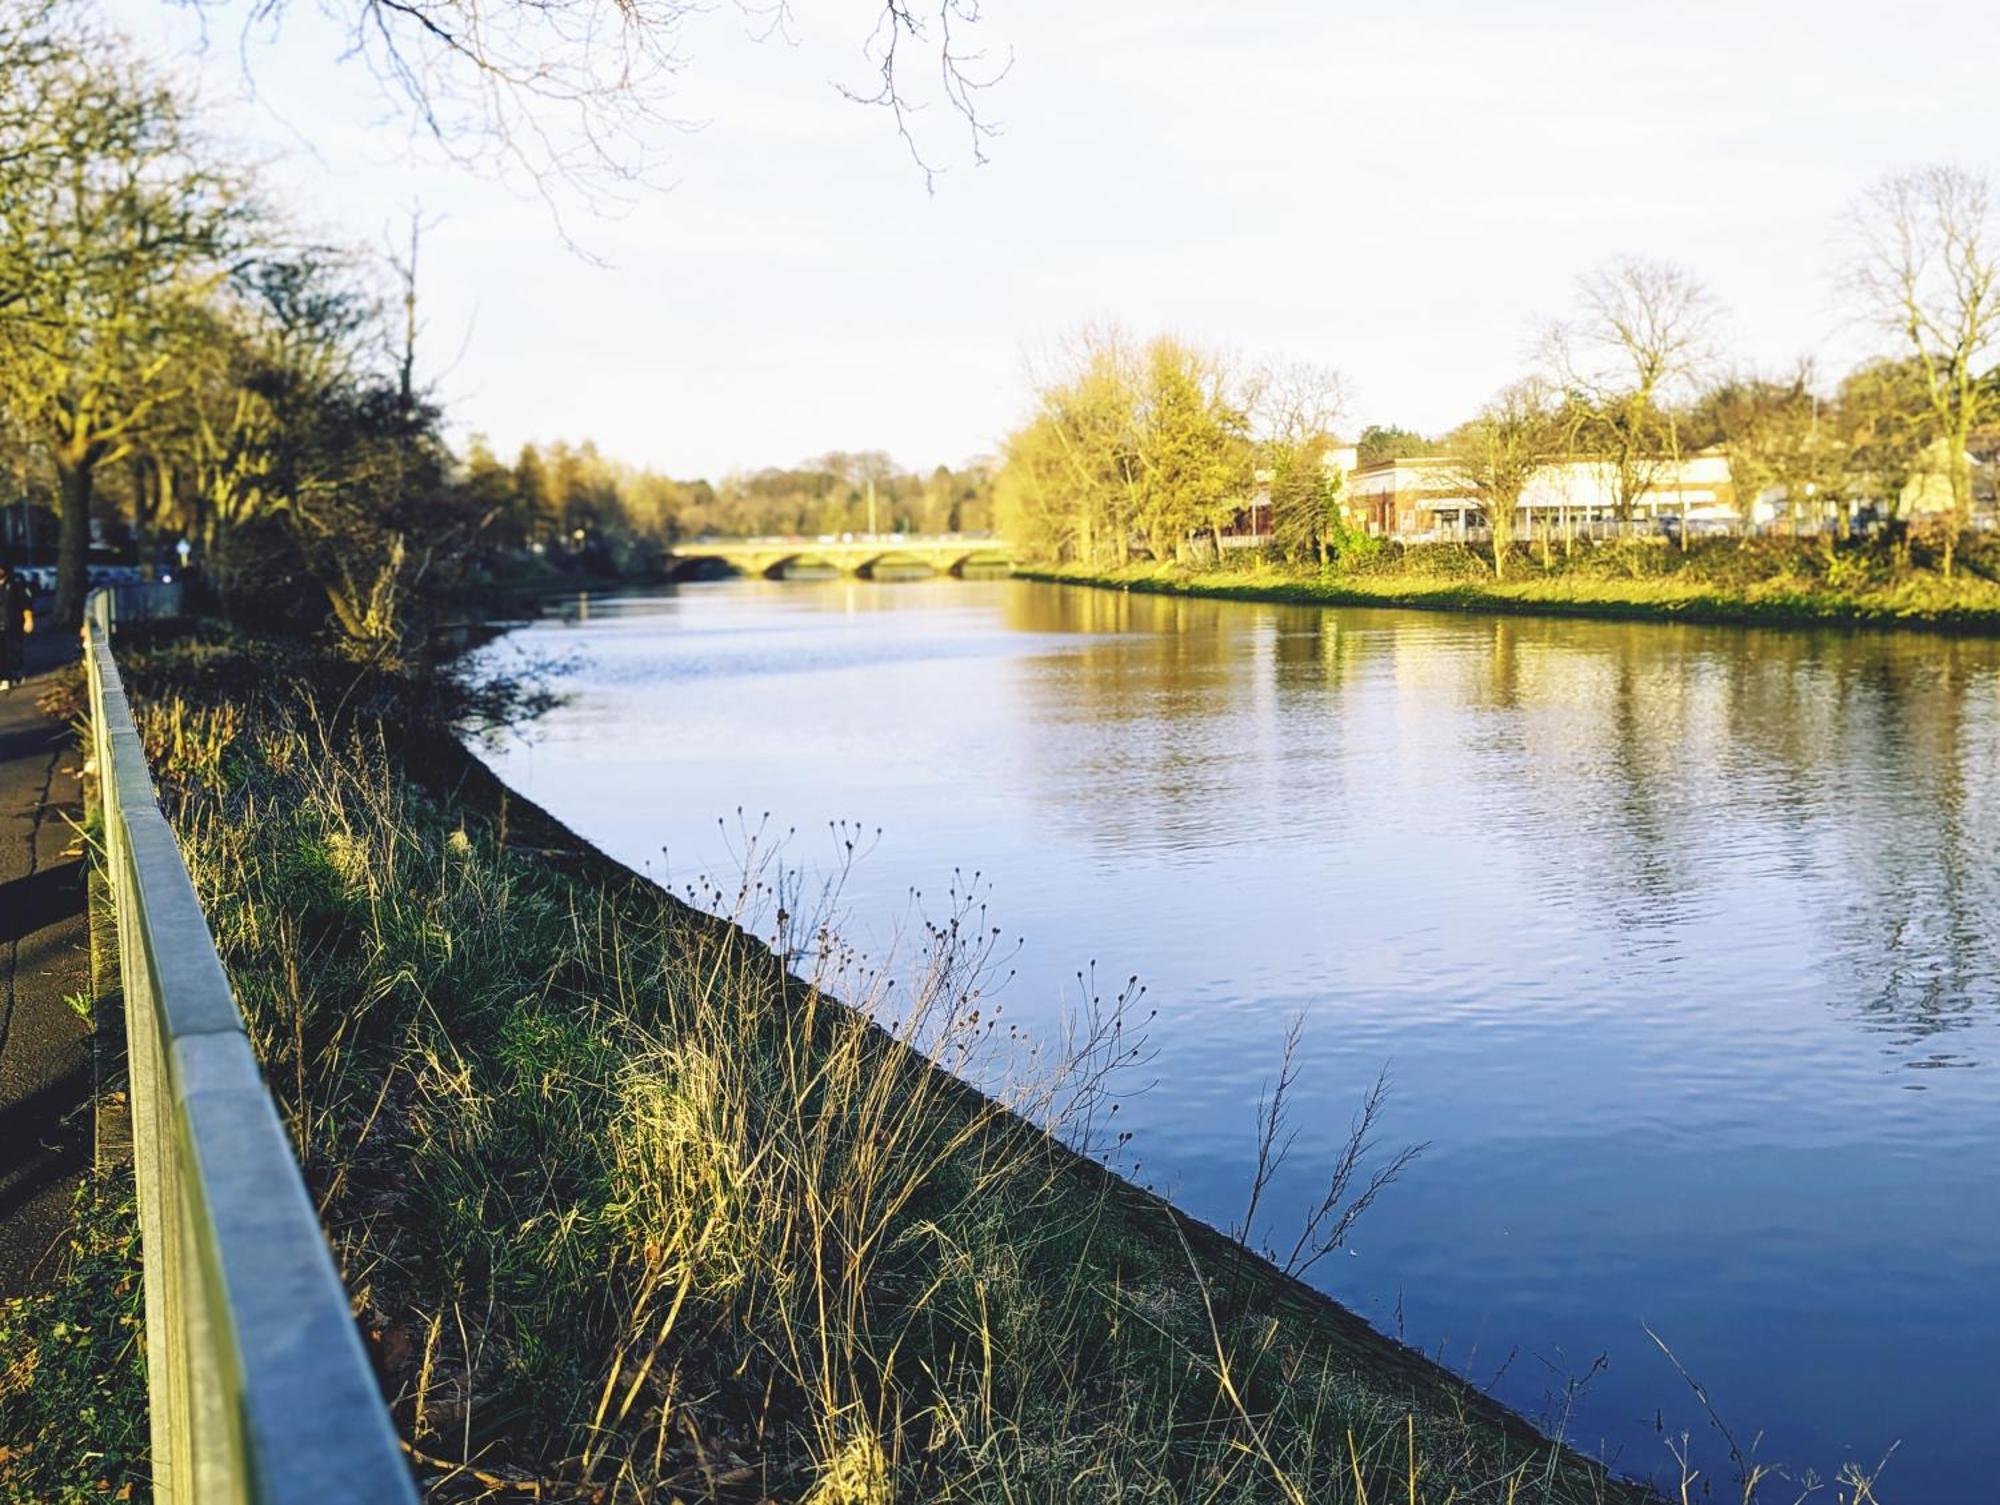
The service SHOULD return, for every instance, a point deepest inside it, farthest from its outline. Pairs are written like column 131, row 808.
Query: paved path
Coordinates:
column 45, row 1072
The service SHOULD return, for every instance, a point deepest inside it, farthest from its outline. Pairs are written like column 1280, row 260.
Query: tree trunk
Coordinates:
column 78, row 481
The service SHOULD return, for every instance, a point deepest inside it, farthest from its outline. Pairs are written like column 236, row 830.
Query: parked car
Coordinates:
column 42, row 577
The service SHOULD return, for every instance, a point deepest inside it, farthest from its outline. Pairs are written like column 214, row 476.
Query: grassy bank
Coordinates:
column 630, row 1212
column 1773, row 582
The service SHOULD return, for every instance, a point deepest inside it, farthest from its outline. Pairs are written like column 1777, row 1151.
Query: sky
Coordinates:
column 1403, row 191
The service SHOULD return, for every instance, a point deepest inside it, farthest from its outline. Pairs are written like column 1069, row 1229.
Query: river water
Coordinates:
column 1681, row 946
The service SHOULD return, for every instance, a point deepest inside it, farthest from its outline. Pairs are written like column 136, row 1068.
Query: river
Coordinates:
column 1681, row 946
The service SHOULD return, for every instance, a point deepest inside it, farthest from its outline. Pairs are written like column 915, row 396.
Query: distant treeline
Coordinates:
column 571, row 497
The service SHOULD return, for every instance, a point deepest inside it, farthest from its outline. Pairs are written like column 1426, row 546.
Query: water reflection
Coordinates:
column 1665, row 931
column 1672, row 777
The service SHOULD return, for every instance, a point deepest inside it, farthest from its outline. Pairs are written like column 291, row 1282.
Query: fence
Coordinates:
column 123, row 604
column 259, row 1386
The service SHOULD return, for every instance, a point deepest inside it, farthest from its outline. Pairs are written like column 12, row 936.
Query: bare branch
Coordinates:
column 571, row 97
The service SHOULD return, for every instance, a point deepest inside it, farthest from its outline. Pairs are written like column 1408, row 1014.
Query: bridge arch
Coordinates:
column 701, row 567
column 778, row 567
column 899, row 564
column 982, row 563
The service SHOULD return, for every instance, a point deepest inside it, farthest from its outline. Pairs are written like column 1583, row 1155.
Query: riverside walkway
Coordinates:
column 45, row 1069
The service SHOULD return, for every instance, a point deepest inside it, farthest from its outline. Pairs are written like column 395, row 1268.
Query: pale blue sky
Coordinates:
column 1399, row 190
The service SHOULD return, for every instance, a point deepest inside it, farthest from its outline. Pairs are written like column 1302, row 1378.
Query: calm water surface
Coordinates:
column 1682, row 945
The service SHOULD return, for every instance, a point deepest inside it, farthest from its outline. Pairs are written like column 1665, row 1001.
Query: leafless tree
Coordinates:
column 1643, row 325
column 1928, row 270
column 1644, row 330
column 1294, row 410
column 1771, row 432
column 1521, row 433
column 1297, row 403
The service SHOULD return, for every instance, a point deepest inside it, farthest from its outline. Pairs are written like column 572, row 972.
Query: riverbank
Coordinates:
column 1714, row 583
column 626, row 1208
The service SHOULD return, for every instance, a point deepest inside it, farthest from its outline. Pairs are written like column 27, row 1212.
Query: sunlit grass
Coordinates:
column 1776, row 581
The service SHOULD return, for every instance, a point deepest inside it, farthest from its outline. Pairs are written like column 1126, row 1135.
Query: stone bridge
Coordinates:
column 846, row 554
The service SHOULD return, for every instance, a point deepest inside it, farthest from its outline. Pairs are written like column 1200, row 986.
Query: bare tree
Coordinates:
column 1519, row 434
column 1642, row 334
column 1928, row 270
column 1294, row 410
column 1774, row 440
column 575, row 94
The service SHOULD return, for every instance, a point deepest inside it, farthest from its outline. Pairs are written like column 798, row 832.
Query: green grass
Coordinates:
column 1776, row 582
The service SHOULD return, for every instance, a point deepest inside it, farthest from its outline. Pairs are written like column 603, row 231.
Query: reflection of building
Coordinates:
column 1428, row 498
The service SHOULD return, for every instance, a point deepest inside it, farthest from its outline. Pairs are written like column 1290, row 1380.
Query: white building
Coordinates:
column 1427, row 497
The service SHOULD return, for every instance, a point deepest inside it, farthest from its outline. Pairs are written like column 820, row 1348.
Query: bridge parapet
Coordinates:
column 946, row 555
